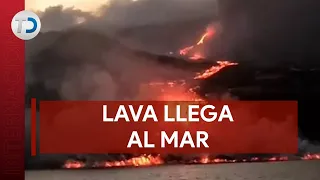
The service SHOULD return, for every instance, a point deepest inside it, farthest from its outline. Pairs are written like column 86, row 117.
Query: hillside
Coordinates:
column 82, row 64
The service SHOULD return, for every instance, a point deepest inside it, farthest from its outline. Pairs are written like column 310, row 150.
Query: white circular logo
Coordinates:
column 25, row 25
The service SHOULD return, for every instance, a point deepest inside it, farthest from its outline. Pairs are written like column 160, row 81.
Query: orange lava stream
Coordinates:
column 196, row 56
column 206, row 160
column 214, row 69
column 71, row 164
column 186, row 51
column 311, row 156
column 143, row 160
column 148, row 160
column 173, row 91
column 180, row 91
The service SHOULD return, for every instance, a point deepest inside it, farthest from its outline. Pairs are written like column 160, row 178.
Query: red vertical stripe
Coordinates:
column 12, row 95
column 33, row 127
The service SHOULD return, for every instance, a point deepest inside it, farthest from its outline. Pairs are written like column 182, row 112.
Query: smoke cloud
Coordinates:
column 77, row 54
column 127, row 13
column 85, row 65
column 308, row 146
column 142, row 24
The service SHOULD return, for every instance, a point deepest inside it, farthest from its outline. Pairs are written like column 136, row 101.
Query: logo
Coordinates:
column 25, row 25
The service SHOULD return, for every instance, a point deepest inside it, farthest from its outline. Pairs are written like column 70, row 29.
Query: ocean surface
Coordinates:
column 294, row 170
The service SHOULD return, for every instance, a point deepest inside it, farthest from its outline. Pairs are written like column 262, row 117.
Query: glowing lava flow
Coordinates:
column 311, row 156
column 173, row 91
column 206, row 160
column 71, row 164
column 143, row 160
column 148, row 160
column 210, row 31
column 214, row 69
column 180, row 90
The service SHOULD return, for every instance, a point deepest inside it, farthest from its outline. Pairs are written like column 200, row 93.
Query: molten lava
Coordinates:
column 311, row 156
column 185, row 50
column 196, row 56
column 71, row 164
column 173, row 91
column 193, row 52
column 149, row 160
column 214, row 69
column 143, row 160
column 207, row 160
